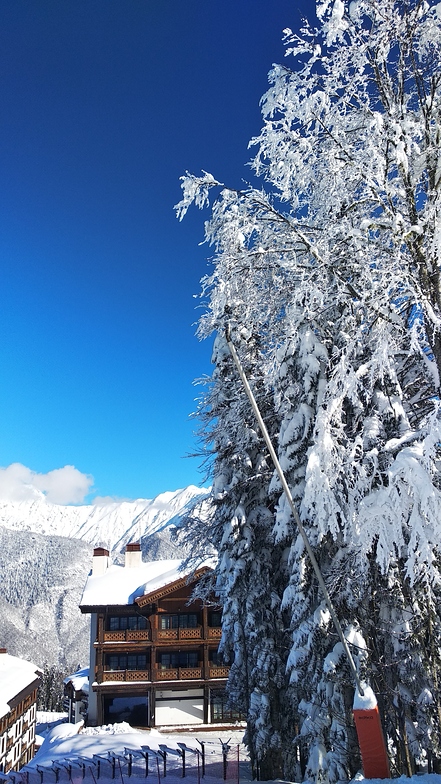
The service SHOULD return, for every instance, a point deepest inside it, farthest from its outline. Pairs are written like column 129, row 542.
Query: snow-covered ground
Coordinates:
column 70, row 751
column 46, row 721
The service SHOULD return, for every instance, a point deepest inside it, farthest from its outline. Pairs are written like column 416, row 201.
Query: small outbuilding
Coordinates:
column 76, row 695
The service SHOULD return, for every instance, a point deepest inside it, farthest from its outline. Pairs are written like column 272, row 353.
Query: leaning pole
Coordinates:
column 365, row 709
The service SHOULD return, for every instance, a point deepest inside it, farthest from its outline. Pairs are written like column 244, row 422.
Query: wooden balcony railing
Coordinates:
column 178, row 674
column 179, row 634
column 160, row 674
column 214, row 632
column 159, row 635
column 218, row 672
column 125, row 675
column 127, row 635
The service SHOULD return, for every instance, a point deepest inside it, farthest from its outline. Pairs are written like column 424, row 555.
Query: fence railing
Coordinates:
column 213, row 762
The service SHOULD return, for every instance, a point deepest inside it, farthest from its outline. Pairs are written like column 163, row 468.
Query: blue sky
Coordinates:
column 104, row 104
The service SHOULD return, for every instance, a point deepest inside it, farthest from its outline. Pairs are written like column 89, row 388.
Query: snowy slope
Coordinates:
column 111, row 525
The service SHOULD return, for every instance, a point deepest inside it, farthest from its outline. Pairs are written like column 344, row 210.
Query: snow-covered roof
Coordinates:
column 79, row 680
column 15, row 676
column 121, row 585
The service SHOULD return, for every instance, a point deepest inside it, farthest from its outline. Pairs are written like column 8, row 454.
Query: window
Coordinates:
column 174, row 659
column 116, row 623
column 125, row 661
column 216, row 659
column 178, row 621
column 215, row 618
column 219, row 710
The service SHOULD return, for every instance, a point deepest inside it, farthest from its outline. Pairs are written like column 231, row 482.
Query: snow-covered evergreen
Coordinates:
column 328, row 276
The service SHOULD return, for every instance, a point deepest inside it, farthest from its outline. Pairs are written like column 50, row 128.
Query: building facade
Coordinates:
column 154, row 657
column 19, row 681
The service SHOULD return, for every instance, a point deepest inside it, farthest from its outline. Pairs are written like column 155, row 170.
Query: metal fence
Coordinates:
column 209, row 761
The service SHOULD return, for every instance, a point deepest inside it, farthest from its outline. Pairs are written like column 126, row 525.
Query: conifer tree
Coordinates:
column 50, row 691
column 329, row 275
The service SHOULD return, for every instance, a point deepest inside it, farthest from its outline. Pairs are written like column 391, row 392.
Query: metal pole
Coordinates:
column 225, row 750
column 295, row 514
column 202, row 745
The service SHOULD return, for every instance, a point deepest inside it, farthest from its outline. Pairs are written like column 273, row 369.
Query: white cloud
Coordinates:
column 61, row 486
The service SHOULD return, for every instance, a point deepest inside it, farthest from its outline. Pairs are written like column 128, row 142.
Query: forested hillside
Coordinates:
column 42, row 578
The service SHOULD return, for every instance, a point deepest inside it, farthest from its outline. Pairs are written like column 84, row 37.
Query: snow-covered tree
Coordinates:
column 50, row 691
column 251, row 572
column 328, row 276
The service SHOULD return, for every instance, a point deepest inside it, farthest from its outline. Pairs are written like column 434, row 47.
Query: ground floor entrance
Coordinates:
column 151, row 706
column 131, row 709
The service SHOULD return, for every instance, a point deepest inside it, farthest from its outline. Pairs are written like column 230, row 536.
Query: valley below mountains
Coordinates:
column 45, row 557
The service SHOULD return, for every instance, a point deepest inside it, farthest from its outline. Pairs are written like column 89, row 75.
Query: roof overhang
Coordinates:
column 176, row 585
column 107, row 608
column 24, row 693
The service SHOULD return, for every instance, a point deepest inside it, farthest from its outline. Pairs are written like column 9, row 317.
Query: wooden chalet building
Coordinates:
column 154, row 651
column 19, row 681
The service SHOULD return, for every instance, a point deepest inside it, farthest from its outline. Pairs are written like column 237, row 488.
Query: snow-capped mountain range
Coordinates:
column 111, row 525
column 46, row 555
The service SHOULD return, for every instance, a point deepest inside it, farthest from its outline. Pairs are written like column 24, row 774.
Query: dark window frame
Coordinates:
column 114, row 662
column 173, row 660
column 216, row 658
column 116, row 623
column 218, row 710
column 215, row 619
column 188, row 620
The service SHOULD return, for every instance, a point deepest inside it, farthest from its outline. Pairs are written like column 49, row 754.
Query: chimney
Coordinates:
column 133, row 555
column 100, row 561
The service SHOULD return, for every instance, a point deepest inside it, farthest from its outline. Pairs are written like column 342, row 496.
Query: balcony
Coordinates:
column 162, row 674
column 124, row 675
column 177, row 674
column 194, row 633
column 218, row 672
column 159, row 635
column 127, row 635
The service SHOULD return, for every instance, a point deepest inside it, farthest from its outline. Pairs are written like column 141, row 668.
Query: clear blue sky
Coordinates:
column 104, row 104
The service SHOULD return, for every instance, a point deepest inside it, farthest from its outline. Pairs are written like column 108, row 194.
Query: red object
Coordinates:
column 372, row 745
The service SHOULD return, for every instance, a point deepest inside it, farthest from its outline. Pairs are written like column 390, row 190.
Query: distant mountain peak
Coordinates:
column 112, row 524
